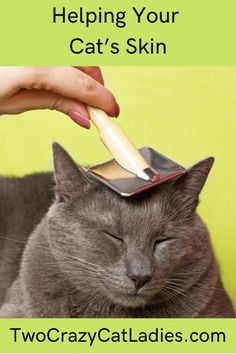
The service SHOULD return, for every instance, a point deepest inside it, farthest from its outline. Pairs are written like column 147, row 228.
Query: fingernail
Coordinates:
column 77, row 118
column 117, row 110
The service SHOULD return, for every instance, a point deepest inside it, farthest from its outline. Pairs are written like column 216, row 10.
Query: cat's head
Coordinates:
column 128, row 250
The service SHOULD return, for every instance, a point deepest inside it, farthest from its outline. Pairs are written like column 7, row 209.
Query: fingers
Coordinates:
column 26, row 100
column 73, row 84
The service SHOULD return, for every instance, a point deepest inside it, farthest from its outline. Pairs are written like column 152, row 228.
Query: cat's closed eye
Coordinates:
column 160, row 241
column 111, row 235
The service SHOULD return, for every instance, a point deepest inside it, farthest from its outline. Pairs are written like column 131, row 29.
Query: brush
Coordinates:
column 131, row 170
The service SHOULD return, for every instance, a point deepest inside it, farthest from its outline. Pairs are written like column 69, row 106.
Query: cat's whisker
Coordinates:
column 176, row 282
column 76, row 260
column 80, row 260
column 12, row 239
column 175, row 298
column 174, row 289
column 188, row 272
column 85, row 267
column 72, row 264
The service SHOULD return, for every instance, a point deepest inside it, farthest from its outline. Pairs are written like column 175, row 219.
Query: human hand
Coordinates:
column 66, row 89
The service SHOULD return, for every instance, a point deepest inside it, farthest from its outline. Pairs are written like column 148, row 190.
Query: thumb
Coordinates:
column 26, row 100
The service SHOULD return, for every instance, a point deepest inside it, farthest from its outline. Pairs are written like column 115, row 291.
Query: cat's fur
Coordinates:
column 95, row 254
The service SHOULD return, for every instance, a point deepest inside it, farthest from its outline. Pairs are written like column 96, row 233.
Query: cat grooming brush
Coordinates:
column 131, row 171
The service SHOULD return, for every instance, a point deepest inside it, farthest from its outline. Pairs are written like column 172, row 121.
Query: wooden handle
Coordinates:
column 121, row 148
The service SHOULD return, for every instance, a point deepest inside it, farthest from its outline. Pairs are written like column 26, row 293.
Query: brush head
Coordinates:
column 128, row 184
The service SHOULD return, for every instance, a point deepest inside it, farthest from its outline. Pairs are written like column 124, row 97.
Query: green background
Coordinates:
column 204, row 33
column 185, row 113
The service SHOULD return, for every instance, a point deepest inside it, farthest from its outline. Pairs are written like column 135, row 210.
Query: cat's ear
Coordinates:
column 193, row 181
column 70, row 178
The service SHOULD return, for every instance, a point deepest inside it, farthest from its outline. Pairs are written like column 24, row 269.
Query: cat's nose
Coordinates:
column 140, row 280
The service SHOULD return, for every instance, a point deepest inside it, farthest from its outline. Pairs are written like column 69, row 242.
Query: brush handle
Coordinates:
column 119, row 145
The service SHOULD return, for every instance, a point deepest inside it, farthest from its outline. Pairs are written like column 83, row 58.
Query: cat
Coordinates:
column 23, row 203
column 92, row 253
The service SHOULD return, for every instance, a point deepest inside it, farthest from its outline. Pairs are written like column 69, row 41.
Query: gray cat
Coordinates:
column 95, row 254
